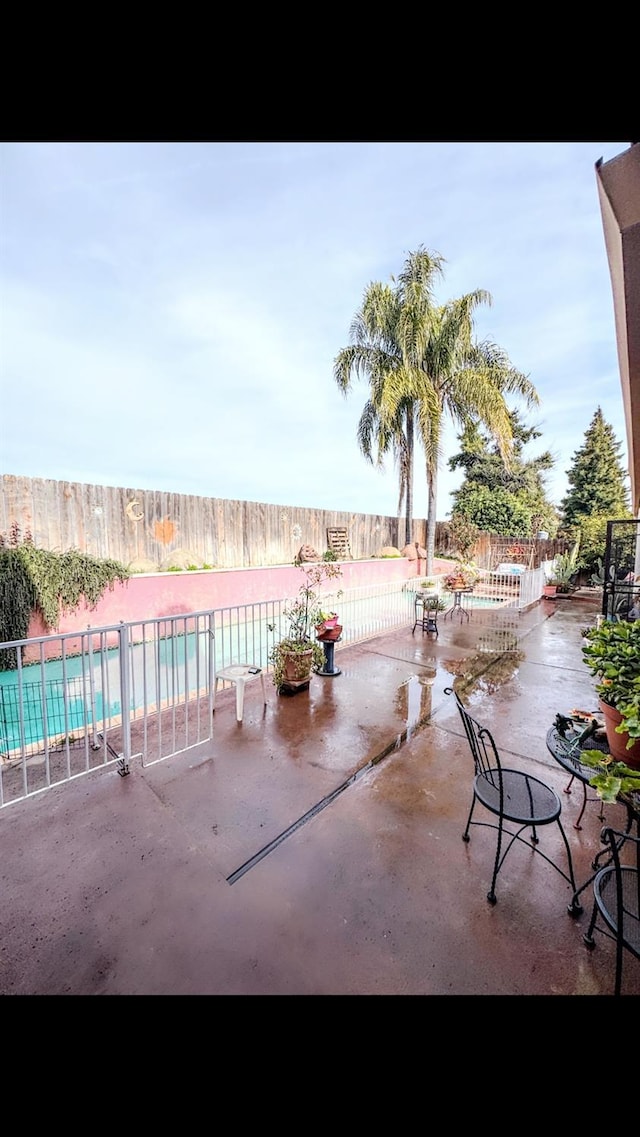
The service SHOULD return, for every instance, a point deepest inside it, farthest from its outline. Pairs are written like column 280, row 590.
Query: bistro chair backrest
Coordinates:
column 486, row 757
column 616, row 898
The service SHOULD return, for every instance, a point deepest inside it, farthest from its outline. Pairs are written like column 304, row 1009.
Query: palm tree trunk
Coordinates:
column 409, row 486
column 432, row 476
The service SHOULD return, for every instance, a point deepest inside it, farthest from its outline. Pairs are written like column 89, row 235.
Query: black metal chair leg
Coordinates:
column 588, row 935
column 574, row 908
column 465, row 835
column 618, row 966
column 589, row 942
column 491, row 895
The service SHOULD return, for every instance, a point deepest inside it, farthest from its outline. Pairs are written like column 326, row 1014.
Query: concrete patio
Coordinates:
column 315, row 849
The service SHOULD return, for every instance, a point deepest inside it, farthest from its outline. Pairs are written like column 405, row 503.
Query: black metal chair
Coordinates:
column 616, row 899
column 513, row 796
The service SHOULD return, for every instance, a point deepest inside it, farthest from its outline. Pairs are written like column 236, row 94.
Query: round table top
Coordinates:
column 565, row 748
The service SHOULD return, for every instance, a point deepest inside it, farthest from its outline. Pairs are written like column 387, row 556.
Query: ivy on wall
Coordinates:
column 38, row 580
column 17, row 602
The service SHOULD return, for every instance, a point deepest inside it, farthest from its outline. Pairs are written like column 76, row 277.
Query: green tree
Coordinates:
column 597, row 478
column 494, row 511
column 510, row 500
column 423, row 363
column 593, row 541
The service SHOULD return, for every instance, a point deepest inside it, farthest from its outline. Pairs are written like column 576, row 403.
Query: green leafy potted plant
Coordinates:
column 611, row 778
column 297, row 654
column 439, row 604
column 428, row 585
column 612, row 654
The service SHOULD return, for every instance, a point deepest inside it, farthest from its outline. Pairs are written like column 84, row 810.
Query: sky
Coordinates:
column 170, row 312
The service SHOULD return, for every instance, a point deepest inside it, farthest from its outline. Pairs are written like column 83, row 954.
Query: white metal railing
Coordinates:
column 69, row 715
column 506, row 589
column 53, row 708
column 79, row 701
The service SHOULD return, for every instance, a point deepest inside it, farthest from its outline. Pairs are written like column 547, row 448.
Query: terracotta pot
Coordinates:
column 618, row 742
column 330, row 634
column 331, row 622
column 297, row 666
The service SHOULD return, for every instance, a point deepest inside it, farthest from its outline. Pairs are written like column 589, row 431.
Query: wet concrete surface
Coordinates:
column 315, row 849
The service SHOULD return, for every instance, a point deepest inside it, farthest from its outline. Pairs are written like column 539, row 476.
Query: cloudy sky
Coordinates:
column 170, row 312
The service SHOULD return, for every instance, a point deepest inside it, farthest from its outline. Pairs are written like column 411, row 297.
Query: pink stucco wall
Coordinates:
column 150, row 595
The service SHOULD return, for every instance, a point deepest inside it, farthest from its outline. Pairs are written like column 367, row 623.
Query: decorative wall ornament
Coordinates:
column 131, row 510
column 164, row 531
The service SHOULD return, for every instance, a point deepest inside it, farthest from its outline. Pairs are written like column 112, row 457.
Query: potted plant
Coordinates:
column 612, row 654
column 297, row 654
column 426, row 587
column 463, row 576
column 326, row 621
column 563, row 573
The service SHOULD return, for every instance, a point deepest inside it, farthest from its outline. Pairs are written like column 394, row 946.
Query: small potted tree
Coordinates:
column 297, row 654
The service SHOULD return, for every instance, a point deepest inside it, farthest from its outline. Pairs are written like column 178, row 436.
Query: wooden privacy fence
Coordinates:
column 149, row 530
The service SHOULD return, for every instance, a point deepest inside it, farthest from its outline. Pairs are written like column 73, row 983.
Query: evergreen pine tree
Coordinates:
column 597, row 477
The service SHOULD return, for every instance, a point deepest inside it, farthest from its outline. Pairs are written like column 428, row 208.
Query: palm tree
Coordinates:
column 372, row 430
column 388, row 338
column 466, row 380
column 423, row 363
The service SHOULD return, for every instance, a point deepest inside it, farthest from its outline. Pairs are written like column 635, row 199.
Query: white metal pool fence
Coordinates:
column 145, row 688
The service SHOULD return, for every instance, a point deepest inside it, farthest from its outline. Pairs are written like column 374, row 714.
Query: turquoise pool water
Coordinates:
column 60, row 698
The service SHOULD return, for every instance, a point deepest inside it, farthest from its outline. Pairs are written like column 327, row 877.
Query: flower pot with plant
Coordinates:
column 462, row 577
column 297, row 654
column 427, row 587
column 326, row 621
column 612, row 654
column 561, row 580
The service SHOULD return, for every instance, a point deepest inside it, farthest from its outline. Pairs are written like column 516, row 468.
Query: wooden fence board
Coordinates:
column 128, row 524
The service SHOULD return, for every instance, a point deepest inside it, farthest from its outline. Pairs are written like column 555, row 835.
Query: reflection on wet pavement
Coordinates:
column 487, row 672
column 413, row 701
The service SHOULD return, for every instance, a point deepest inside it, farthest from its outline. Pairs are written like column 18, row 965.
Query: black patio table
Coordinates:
column 565, row 741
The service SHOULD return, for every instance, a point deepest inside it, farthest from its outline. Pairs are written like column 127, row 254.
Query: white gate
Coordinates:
column 75, row 702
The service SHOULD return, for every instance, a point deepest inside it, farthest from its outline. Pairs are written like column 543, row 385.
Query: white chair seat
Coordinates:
column 239, row 674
